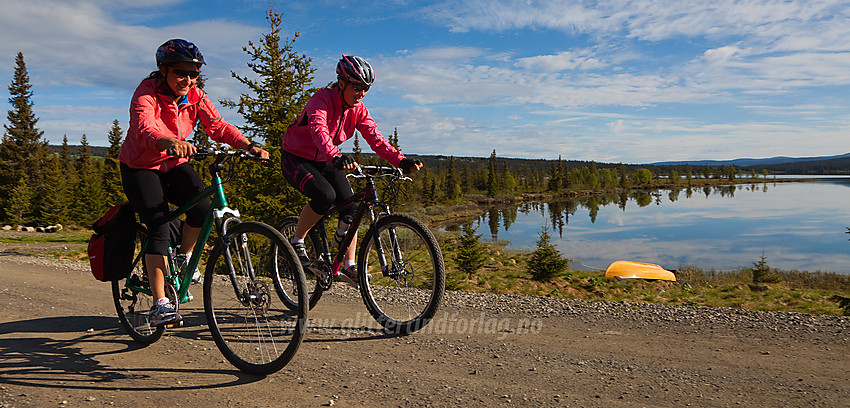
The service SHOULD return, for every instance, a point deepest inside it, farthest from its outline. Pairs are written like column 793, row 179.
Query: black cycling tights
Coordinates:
column 319, row 181
column 150, row 191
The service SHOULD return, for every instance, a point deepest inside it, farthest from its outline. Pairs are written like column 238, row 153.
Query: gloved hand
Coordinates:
column 408, row 165
column 341, row 161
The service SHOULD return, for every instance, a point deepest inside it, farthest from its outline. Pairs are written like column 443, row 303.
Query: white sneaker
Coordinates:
column 164, row 314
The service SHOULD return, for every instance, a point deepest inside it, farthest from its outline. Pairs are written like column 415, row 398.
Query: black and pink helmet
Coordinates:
column 355, row 70
column 178, row 50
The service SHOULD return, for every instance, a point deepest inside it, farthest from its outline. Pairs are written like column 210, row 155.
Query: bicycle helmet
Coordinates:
column 178, row 50
column 355, row 70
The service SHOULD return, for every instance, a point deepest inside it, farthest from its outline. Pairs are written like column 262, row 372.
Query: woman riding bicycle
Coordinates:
column 312, row 162
column 154, row 157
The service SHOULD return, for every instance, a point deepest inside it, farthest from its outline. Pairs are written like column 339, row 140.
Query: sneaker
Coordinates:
column 301, row 251
column 164, row 313
column 348, row 275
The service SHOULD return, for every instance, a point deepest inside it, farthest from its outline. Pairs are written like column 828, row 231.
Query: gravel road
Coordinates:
column 61, row 346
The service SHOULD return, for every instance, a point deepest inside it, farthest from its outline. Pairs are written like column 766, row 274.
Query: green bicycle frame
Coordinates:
column 181, row 279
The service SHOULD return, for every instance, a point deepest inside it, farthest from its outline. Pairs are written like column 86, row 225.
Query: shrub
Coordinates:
column 470, row 253
column 546, row 262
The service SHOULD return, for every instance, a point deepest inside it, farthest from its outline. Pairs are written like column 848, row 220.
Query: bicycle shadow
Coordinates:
column 66, row 352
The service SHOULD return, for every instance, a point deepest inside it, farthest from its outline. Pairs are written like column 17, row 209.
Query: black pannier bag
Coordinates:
column 113, row 243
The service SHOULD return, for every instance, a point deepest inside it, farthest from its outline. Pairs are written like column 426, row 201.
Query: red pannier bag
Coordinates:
column 113, row 243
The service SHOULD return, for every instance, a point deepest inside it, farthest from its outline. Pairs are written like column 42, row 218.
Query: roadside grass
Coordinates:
column 75, row 240
column 505, row 272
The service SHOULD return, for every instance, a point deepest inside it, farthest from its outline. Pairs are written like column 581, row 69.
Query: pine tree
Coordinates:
column 54, row 203
column 88, row 200
column 492, row 181
column 276, row 97
column 393, row 140
column 23, row 152
column 357, row 151
column 18, row 205
column 282, row 86
column 546, row 262
column 470, row 253
column 112, row 189
column 452, row 183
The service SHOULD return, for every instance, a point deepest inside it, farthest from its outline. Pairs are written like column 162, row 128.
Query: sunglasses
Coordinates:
column 183, row 73
column 360, row 88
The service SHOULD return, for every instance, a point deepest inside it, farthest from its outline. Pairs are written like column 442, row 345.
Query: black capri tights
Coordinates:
column 150, row 191
column 319, row 181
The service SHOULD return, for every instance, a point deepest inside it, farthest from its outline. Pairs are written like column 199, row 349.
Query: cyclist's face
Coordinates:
column 353, row 94
column 180, row 77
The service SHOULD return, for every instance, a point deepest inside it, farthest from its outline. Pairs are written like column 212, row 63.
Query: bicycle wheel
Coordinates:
column 251, row 326
column 133, row 300
column 314, row 289
column 404, row 295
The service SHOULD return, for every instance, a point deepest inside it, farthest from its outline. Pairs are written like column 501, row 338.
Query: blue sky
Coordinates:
column 608, row 80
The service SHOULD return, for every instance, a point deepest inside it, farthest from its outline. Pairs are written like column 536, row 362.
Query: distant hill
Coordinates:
column 751, row 162
column 97, row 151
column 839, row 164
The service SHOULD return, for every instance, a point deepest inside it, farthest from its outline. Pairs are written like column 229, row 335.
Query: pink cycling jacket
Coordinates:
column 154, row 114
column 325, row 124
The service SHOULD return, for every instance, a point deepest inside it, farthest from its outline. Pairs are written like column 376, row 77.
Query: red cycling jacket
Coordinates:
column 325, row 124
column 154, row 114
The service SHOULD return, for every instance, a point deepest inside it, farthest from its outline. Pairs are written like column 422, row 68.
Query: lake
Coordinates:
column 795, row 226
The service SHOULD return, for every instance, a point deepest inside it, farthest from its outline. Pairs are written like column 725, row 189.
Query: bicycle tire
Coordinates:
column 251, row 327
column 406, row 297
column 133, row 306
column 312, row 242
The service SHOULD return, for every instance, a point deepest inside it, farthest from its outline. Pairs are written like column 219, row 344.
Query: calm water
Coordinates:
column 798, row 226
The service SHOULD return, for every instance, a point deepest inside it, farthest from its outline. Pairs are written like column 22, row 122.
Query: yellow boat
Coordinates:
column 638, row 270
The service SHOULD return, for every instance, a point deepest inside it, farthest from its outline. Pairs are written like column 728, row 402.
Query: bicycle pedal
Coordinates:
column 174, row 325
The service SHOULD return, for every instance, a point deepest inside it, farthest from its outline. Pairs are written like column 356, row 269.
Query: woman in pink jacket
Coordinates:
column 163, row 113
column 312, row 162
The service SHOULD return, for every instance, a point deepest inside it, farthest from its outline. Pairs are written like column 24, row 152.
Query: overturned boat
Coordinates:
column 638, row 270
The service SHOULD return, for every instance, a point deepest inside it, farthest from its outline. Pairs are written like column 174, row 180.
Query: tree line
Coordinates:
column 73, row 186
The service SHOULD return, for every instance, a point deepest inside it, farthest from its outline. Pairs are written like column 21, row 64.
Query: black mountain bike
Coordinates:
column 401, row 274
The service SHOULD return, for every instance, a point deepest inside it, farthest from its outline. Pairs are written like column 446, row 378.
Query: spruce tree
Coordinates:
column 277, row 94
column 112, row 189
column 18, row 205
column 281, row 88
column 54, row 203
column 470, row 253
column 546, row 262
column 23, row 152
column 88, row 199
column 492, row 183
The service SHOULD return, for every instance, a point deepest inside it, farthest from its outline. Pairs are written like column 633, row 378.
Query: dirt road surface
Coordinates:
column 61, row 345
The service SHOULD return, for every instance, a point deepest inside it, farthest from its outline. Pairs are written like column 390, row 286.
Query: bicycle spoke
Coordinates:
column 252, row 327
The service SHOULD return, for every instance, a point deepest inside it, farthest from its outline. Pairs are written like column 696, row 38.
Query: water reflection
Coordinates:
column 795, row 225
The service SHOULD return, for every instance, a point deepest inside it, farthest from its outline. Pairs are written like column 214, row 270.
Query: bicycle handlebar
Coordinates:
column 363, row 171
column 206, row 151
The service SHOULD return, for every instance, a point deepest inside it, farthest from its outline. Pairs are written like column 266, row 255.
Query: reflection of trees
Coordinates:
column 557, row 216
column 508, row 216
column 493, row 221
column 592, row 205
column 642, row 198
column 673, row 195
column 707, row 191
column 624, row 199
column 689, row 192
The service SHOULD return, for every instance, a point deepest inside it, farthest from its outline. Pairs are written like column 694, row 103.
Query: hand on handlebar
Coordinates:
column 409, row 166
column 176, row 147
column 344, row 162
column 259, row 152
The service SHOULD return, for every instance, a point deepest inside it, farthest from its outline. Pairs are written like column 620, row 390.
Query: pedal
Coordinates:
column 174, row 325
